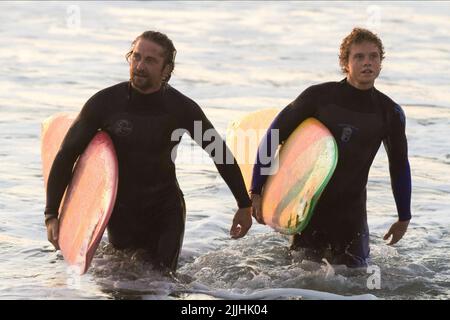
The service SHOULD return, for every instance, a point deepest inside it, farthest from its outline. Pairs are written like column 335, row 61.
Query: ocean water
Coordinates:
column 233, row 58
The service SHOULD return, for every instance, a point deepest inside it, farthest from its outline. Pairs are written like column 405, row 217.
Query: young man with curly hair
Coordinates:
column 360, row 117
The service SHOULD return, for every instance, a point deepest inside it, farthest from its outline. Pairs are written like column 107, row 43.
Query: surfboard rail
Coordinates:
column 89, row 198
column 304, row 165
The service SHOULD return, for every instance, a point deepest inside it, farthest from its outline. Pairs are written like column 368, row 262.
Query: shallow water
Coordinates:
column 233, row 57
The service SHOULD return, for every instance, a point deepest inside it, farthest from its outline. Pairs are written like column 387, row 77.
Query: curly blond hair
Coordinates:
column 358, row 35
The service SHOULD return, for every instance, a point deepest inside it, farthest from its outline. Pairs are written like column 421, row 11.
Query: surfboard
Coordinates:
column 302, row 168
column 89, row 199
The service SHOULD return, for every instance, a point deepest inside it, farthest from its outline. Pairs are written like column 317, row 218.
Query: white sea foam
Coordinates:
column 233, row 57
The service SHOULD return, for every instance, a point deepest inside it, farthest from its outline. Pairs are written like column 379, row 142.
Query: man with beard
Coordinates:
column 360, row 117
column 141, row 116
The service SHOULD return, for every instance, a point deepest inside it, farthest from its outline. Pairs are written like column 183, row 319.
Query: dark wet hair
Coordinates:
column 161, row 39
column 358, row 35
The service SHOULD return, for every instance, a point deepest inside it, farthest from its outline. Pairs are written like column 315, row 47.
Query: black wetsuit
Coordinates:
column 359, row 121
column 149, row 211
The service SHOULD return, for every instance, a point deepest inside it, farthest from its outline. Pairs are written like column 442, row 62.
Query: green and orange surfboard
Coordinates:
column 304, row 165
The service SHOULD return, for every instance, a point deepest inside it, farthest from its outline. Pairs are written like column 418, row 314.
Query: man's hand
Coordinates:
column 257, row 208
column 397, row 231
column 53, row 231
column 242, row 222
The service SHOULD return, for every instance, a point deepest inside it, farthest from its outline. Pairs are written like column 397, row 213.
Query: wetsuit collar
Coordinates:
column 355, row 90
column 137, row 97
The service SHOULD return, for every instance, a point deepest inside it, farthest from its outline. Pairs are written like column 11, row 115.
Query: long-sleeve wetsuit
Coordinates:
column 359, row 121
column 149, row 211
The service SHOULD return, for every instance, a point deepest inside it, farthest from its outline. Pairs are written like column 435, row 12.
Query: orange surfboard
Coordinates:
column 304, row 165
column 89, row 199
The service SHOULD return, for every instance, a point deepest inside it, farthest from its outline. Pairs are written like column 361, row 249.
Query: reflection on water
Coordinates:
column 233, row 58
